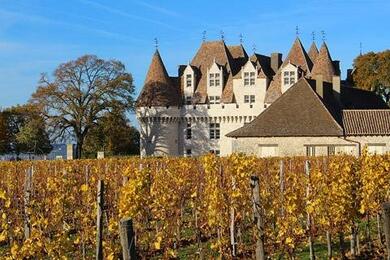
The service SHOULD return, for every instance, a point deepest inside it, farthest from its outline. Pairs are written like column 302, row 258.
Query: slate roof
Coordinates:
column 324, row 65
column 367, row 122
column 298, row 112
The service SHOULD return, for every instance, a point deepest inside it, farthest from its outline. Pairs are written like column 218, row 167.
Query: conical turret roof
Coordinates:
column 157, row 71
column 298, row 56
column 159, row 89
column 324, row 64
column 313, row 52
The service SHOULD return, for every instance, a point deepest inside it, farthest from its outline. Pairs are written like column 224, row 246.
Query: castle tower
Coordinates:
column 157, row 111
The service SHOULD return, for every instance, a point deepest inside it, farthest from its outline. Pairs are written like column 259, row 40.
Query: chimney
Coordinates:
column 320, row 85
column 336, row 65
column 276, row 61
column 336, row 86
column 349, row 75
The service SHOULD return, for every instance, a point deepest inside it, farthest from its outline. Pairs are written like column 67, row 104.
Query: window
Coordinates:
column 331, row 150
column 216, row 152
column 376, row 148
column 214, row 80
column 249, row 99
column 214, row 131
column 249, row 78
column 214, row 99
column 188, row 100
column 188, row 153
column 289, row 77
column 188, row 80
column 310, row 150
column 188, row 131
column 268, row 150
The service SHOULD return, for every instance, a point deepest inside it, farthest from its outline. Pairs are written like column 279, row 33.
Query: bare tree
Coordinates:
column 81, row 92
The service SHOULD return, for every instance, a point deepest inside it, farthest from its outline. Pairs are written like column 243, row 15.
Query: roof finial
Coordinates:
column 361, row 47
column 222, row 35
column 204, row 36
column 156, row 43
column 297, row 30
column 313, row 35
column 254, row 48
column 241, row 38
column 323, row 35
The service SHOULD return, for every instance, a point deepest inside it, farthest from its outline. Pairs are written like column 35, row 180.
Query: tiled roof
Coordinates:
column 159, row 89
column 323, row 65
column 366, row 122
column 296, row 56
column 204, row 58
column 264, row 63
column 298, row 112
column 313, row 52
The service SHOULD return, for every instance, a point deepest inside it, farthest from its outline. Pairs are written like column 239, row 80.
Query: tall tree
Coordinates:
column 80, row 93
column 114, row 135
column 372, row 72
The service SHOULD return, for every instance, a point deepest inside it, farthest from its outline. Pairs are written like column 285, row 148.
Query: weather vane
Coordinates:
column 241, row 40
column 313, row 35
column 204, row 36
column 254, row 48
column 156, row 43
column 222, row 36
column 323, row 35
column 361, row 48
column 297, row 30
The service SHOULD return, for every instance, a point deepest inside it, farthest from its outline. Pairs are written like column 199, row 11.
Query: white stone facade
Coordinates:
column 164, row 130
column 317, row 146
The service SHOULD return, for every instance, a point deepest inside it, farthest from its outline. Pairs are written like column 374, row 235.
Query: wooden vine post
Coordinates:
column 386, row 226
column 99, row 220
column 127, row 237
column 28, row 184
column 232, row 223
column 309, row 226
column 258, row 219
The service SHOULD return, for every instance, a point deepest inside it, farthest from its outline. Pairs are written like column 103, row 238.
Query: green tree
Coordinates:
column 25, row 131
column 81, row 92
column 114, row 135
column 5, row 136
column 372, row 72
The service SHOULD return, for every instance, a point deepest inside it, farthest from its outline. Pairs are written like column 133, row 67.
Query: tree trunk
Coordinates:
column 79, row 149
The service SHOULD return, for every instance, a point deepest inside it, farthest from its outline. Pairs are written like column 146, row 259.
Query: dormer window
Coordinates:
column 214, row 79
column 249, row 78
column 189, row 80
column 289, row 77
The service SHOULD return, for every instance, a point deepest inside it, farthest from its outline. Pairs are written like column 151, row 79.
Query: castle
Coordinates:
column 224, row 89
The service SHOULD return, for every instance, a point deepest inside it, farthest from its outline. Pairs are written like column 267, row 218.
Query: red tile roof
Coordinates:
column 323, row 65
column 159, row 89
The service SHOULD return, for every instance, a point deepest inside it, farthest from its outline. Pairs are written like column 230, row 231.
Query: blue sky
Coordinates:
column 37, row 35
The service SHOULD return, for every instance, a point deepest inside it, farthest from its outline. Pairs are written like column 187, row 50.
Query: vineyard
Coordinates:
column 203, row 207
